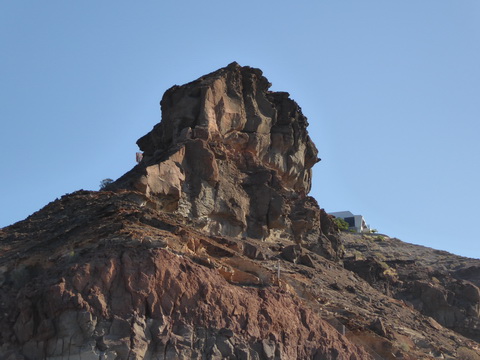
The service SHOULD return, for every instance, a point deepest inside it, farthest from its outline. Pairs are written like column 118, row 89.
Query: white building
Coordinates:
column 355, row 222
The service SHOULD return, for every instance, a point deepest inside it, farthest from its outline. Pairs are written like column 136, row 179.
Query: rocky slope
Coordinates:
column 210, row 248
column 96, row 272
column 436, row 283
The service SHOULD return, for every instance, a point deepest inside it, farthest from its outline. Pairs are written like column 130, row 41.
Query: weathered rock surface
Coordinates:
column 210, row 248
column 104, row 271
column 235, row 159
column 97, row 273
column 438, row 284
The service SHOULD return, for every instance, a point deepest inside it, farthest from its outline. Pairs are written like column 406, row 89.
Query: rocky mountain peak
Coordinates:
column 210, row 248
column 235, row 158
column 233, row 109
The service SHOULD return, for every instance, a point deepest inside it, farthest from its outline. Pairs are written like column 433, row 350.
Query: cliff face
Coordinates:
column 96, row 274
column 235, row 159
column 210, row 248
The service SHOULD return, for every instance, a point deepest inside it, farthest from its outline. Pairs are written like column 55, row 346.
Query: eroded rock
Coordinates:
column 210, row 249
column 235, row 159
column 182, row 310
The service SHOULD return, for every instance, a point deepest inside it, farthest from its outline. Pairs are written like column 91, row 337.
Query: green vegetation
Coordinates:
column 104, row 183
column 391, row 273
column 383, row 265
column 358, row 255
column 379, row 256
column 341, row 224
column 388, row 271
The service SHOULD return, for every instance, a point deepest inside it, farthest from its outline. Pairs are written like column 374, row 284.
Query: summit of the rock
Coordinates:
column 233, row 107
column 235, row 158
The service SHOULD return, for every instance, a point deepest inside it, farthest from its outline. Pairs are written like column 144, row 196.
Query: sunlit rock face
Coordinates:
column 235, row 158
column 209, row 249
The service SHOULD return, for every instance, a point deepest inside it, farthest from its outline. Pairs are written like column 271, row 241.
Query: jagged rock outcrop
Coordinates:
column 236, row 159
column 210, row 248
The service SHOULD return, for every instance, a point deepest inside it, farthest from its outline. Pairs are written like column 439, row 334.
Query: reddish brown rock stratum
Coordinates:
column 180, row 258
column 100, row 272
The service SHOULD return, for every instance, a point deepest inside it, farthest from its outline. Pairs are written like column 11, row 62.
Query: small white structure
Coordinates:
column 355, row 222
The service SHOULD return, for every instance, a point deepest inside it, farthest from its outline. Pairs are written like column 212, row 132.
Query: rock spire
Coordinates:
column 235, row 158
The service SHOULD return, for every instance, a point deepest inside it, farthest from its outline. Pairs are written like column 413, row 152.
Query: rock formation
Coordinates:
column 235, row 159
column 101, row 273
column 436, row 283
column 210, row 248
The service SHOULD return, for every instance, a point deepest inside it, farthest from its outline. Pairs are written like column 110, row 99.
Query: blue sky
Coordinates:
column 391, row 90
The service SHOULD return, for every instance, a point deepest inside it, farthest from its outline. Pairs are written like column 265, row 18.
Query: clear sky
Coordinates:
column 391, row 90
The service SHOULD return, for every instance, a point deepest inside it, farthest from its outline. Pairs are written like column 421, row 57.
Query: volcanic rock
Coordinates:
column 235, row 159
column 102, row 273
column 436, row 283
column 210, row 248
